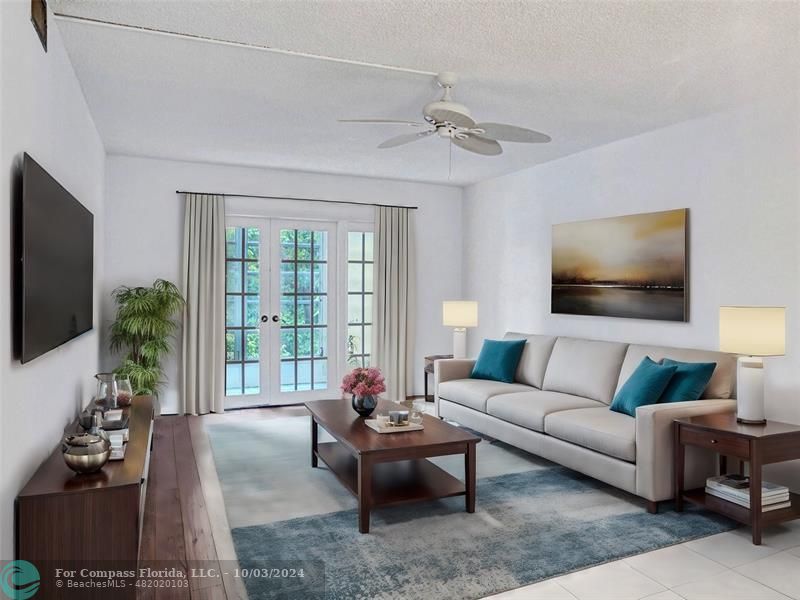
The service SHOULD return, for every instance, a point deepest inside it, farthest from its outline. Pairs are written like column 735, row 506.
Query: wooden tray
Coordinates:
column 373, row 424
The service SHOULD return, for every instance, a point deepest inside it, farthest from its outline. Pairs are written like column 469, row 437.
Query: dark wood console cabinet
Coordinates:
column 61, row 516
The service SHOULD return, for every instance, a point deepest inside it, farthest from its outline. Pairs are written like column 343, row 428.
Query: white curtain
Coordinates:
column 203, row 362
column 393, row 312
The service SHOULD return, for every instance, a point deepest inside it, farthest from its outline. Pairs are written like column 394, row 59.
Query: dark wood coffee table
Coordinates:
column 382, row 469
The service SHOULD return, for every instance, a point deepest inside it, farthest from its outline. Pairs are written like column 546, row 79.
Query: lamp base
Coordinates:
column 750, row 390
column 460, row 342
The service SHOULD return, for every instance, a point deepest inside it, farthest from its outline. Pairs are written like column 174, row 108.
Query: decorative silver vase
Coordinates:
column 85, row 453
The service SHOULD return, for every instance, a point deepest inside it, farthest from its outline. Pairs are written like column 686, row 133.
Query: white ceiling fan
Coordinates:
column 452, row 120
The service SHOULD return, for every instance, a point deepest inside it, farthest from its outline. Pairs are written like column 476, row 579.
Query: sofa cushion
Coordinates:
column 644, row 386
column 599, row 429
column 721, row 384
column 534, row 359
column 528, row 409
column 498, row 360
column 587, row 368
column 473, row 393
column 689, row 381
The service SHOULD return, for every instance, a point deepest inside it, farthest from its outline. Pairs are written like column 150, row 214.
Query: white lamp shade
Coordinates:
column 460, row 313
column 752, row 330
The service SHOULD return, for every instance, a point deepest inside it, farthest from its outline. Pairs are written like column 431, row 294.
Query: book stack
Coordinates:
column 736, row 489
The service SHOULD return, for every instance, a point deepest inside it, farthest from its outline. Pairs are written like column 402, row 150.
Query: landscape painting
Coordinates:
column 632, row 266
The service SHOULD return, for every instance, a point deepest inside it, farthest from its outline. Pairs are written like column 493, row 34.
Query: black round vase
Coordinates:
column 364, row 405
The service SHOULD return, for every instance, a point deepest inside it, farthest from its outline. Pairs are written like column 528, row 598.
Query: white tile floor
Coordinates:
column 725, row 566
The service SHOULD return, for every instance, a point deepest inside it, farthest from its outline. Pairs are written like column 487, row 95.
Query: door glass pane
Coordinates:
column 320, row 374
column 233, row 280
column 320, row 281
column 233, row 379
column 354, row 308
column 368, row 245
column 287, row 244
column 354, row 246
column 287, row 376
column 252, row 343
column 287, row 343
column 304, row 309
column 251, row 378
column 253, row 243
column 233, row 242
column 233, row 345
column 320, row 245
column 355, row 277
column 233, row 310
column 320, row 342
column 303, row 247
column 303, row 375
column 320, row 309
column 287, row 310
column 303, row 342
column 252, row 280
column 252, row 310
column 304, row 278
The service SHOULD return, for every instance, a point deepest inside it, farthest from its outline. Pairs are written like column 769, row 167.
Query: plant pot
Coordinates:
column 364, row 405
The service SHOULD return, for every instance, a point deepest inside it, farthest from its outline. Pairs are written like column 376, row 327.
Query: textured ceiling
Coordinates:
column 586, row 73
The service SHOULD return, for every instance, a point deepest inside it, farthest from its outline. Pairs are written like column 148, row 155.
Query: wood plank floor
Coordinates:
column 176, row 525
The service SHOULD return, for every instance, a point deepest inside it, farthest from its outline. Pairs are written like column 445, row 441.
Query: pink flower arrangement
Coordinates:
column 364, row 382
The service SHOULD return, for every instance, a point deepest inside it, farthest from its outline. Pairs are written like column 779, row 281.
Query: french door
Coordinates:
column 281, row 338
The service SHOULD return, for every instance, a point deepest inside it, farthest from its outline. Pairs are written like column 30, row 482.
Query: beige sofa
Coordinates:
column 557, row 408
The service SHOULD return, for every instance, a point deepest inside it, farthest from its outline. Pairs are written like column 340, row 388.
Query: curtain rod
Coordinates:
column 303, row 199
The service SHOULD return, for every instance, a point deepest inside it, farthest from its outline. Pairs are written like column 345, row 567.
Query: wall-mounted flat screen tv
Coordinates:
column 56, row 270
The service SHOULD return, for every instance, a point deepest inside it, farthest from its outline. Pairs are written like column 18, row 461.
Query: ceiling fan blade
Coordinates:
column 479, row 145
column 450, row 116
column 406, row 138
column 511, row 133
column 383, row 122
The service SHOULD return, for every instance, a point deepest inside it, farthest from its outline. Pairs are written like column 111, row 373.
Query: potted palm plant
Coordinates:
column 145, row 324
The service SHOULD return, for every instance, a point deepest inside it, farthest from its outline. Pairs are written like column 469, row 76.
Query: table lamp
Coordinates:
column 460, row 314
column 753, row 332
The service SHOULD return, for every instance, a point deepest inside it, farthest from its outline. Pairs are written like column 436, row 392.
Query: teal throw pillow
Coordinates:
column 689, row 381
column 498, row 360
column 644, row 386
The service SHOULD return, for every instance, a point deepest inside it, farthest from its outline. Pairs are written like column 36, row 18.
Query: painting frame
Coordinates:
column 633, row 266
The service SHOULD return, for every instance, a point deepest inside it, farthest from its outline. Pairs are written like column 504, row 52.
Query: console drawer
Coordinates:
column 727, row 445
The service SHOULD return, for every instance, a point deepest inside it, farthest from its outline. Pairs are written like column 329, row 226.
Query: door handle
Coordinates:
column 275, row 318
column 264, row 318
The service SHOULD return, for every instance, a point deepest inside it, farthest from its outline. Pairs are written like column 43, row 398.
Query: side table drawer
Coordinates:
column 728, row 445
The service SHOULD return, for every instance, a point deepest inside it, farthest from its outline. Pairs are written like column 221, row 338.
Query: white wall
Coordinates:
column 738, row 175
column 144, row 228
column 42, row 112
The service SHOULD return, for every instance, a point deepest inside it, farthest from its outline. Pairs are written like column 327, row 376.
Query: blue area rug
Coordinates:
column 528, row 526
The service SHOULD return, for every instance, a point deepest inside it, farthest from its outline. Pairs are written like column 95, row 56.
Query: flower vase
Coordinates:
column 364, row 405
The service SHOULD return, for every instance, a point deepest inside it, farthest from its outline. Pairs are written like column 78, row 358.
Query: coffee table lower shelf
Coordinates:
column 392, row 482
column 740, row 513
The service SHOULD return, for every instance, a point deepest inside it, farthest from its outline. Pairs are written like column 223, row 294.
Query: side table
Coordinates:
column 429, row 360
column 757, row 444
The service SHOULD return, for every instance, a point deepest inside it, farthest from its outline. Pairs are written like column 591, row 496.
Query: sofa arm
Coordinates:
column 448, row 369
column 654, row 446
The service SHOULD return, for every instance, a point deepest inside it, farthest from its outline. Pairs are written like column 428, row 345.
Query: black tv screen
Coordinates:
column 56, row 242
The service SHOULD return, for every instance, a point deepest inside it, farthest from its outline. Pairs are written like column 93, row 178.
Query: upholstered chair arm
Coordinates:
column 654, row 446
column 448, row 369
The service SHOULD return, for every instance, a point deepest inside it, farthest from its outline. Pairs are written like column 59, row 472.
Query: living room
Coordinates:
column 330, row 186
